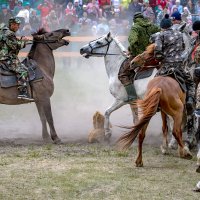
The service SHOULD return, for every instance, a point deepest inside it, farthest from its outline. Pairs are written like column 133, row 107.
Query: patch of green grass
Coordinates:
column 93, row 172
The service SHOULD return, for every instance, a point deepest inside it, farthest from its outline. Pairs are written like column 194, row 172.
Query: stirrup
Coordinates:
column 24, row 97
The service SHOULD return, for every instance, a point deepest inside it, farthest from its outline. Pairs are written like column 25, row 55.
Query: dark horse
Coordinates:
column 165, row 94
column 42, row 53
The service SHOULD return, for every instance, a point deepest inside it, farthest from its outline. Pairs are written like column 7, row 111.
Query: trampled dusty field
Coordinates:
column 76, row 170
column 90, row 171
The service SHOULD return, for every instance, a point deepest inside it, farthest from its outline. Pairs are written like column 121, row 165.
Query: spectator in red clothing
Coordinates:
column 70, row 18
column 105, row 6
column 153, row 4
column 163, row 3
column 45, row 8
column 70, row 9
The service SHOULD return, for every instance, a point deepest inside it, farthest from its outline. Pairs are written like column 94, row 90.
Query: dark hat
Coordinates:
column 196, row 25
column 165, row 22
column 176, row 16
column 14, row 20
column 138, row 15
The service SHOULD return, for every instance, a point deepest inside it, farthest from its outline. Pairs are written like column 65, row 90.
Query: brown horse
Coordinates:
column 165, row 94
column 42, row 52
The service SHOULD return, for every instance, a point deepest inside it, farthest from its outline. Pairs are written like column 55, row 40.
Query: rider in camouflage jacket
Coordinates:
column 169, row 46
column 9, row 49
column 139, row 36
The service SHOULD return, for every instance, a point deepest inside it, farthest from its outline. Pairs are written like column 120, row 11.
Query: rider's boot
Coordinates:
column 22, row 86
column 190, row 139
column 24, row 94
column 131, row 92
column 190, row 104
column 190, row 100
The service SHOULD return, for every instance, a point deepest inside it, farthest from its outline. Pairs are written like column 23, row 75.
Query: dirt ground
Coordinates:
column 76, row 169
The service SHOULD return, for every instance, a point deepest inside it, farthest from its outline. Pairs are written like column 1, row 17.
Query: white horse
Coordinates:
column 114, row 54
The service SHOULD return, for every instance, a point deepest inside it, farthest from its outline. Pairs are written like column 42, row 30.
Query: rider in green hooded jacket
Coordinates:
column 138, row 39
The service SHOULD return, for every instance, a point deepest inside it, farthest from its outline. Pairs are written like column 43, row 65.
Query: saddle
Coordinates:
column 147, row 70
column 8, row 78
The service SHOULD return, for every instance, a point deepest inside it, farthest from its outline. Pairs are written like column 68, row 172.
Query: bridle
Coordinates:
column 44, row 41
column 103, row 45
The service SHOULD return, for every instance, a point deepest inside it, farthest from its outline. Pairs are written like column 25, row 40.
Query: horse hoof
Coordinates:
column 57, row 141
column 198, row 169
column 196, row 189
column 47, row 140
column 163, row 150
column 139, row 164
column 188, row 156
column 107, row 137
column 173, row 145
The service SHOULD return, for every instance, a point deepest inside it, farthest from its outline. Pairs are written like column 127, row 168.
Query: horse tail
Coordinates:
column 149, row 108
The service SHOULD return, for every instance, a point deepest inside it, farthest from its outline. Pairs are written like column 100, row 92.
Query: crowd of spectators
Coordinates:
column 90, row 17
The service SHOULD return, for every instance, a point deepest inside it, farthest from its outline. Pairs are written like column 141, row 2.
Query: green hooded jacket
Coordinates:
column 140, row 34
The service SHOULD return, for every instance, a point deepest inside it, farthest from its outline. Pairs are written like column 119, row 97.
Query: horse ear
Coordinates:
column 108, row 35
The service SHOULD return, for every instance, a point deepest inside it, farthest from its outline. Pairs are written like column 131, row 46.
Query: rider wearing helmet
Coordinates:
column 9, row 50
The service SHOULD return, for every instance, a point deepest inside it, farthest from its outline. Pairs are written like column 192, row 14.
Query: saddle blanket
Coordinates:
column 9, row 79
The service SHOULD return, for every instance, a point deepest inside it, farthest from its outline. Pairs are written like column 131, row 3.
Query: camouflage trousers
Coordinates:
column 170, row 68
column 21, row 71
column 126, row 73
column 198, row 97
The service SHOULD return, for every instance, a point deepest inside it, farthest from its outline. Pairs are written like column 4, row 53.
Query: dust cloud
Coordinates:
column 81, row 89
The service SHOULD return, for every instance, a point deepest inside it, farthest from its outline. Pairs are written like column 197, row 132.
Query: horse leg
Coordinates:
column 184, row 151
column 116, row 105
column 172, row 142
column 134, row 113
column 164, row 146
column 46, row 106
column 45, row 134
column 141, row 136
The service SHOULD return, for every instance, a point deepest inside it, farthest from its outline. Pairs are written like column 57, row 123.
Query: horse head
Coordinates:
column 53, row 39
column 145, row 58
column 98, row 47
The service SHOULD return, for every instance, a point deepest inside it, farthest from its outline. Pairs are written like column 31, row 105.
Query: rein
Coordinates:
column 31, row 53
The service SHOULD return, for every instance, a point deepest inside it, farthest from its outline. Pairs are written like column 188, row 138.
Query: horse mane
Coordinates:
column 40, row 32
column 150, row 48
column 122, row 48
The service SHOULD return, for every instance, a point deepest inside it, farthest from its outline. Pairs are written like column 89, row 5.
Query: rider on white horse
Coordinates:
column 139, row 36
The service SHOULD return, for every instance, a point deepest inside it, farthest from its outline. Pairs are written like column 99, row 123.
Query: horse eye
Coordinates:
column 98, row 42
